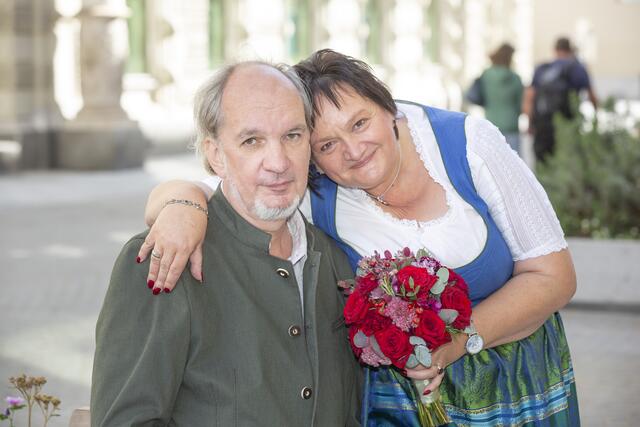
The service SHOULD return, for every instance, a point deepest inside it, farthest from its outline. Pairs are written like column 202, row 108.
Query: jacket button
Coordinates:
column 294, row 330
column 306, row 393
column 283, row 273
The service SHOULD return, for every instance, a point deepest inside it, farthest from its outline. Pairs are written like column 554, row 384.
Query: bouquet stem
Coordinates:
column 431, row 412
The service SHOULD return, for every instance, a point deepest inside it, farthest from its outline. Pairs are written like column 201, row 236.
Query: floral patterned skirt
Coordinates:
column 524, row 383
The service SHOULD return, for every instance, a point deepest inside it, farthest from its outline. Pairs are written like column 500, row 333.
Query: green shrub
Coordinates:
column 593, row 178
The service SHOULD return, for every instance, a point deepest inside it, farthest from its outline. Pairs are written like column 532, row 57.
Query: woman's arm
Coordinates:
column 543, row 279
column 177, row 232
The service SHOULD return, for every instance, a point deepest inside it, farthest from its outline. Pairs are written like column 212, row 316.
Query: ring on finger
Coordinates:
column 440, row 369
column 156, row 254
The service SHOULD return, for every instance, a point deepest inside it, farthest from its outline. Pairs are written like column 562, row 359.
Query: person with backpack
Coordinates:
column 549, row 93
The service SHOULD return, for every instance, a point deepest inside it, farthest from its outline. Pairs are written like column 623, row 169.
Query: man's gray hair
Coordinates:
column 207, row 108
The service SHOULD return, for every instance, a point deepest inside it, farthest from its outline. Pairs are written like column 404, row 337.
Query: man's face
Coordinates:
column 262, row 148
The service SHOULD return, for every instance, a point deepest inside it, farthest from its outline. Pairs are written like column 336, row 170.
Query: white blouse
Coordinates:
column 516, row 200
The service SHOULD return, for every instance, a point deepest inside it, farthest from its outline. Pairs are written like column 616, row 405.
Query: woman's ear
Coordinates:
column 215, row 157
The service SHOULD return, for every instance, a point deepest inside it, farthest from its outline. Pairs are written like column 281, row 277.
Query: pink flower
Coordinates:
column 371, row 358
column 400, row 313
column 14, row 401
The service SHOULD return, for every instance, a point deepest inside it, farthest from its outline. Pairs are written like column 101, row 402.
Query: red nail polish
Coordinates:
column 150, row 283
column 156, row 291
column 167, row 290
column 138, row 260
column 404, row 372
column 426, row 392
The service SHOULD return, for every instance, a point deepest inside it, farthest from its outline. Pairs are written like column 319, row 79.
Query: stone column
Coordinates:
column 101, row 136
column 406, row 52
column 28, row 111
column 452, row 48
column 344, row 25
column 263, row 23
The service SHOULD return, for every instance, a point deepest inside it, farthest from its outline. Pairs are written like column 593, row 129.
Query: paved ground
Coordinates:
column 60, row 233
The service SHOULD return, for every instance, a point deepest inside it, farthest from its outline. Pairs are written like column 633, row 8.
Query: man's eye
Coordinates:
column 250, row 141
column 294, row 136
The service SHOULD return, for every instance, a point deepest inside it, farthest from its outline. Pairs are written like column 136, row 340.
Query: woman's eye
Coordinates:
column 360, row 123
column 327, row 146
column 250, row 141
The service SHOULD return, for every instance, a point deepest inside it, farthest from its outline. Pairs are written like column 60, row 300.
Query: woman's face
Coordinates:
column 355, row 145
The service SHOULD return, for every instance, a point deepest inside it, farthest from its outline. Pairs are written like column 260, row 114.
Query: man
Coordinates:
column 549, row 93
column 263, row 341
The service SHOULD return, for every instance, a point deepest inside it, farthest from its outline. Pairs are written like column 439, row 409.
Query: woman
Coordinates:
column 415, row 176
column 502, row 89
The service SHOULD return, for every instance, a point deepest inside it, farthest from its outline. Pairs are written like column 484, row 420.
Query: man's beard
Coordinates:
column 264, row 212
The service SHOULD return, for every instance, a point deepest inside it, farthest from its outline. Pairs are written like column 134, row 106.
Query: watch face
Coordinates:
column 474, row 344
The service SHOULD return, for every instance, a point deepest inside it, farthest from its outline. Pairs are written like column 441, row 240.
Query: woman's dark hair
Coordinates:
column 502, row 55
column 326, row 71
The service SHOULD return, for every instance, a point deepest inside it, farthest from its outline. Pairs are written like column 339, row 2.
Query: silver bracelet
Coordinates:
column 185, row 202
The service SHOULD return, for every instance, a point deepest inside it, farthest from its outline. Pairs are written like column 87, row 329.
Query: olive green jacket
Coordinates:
column 234, row 351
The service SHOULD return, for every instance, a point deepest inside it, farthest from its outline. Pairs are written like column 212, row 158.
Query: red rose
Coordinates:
column 420, row 276
column 353, row 330
column 355, row 308
column 455, row 298
column 374, row 322
column 394, row 343
column 458, row 281
column 432, row 329
column 366, row 284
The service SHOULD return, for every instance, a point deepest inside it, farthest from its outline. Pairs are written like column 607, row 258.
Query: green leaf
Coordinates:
column 448, row 315
column 412, row 362
column 360, row 340
column 443, row 279
column 423, row 355
column 414, row 340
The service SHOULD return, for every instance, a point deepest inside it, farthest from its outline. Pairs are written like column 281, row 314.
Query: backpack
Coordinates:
column 552, row 91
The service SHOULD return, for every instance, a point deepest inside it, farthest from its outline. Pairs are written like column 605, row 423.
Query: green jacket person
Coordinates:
column 262, row 342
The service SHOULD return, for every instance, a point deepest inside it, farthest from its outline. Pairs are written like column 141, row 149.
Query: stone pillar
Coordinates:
column 452, row 48
column 406, row 53
column 263, row 23
column 101, row 136
column 28, row 111
column 344, row 25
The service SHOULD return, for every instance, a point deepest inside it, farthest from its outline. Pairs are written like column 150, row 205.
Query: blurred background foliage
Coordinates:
column 593, row 178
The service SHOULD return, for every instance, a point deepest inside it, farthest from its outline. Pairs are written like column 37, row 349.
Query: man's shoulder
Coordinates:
column 327, row 246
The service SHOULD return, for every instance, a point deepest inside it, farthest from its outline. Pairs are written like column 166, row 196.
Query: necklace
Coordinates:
column 380, row 198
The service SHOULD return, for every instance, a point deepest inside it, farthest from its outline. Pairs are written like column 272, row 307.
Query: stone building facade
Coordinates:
column 71, row 65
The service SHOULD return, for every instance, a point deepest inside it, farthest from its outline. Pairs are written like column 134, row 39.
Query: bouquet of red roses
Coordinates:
column 402, row 308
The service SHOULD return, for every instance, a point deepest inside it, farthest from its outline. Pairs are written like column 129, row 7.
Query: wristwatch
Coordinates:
column 475, row 343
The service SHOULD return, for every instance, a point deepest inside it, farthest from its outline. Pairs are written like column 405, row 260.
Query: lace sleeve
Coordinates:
column 517, row 202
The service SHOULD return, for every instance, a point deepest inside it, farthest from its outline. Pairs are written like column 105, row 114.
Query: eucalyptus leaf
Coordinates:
column 376, row 346
column 414, row 340
column 443, row 274
column 360, row 340
column 422, row 253
column 412, row 362
column 449, row 315
column 423, row 355
column 438, row 287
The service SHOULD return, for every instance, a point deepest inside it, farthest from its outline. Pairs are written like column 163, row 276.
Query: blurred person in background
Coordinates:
column 399, row 174
column 502, row 90
column 550, row 92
